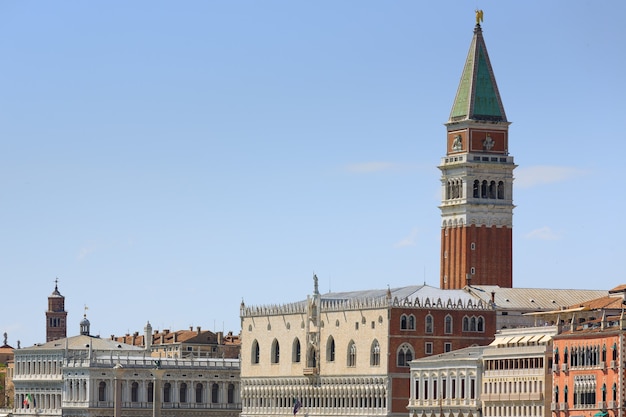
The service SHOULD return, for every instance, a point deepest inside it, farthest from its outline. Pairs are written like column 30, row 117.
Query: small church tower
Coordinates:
column 477, row 180
column 56, row 316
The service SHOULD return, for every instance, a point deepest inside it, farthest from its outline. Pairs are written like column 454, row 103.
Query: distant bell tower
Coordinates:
column 477, row 180
column 56, row 316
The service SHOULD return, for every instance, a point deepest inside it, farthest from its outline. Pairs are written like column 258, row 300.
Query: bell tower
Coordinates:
column 56, row 316
column 477, row 180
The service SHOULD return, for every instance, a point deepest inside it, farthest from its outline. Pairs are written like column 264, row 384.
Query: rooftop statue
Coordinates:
column 479, row 16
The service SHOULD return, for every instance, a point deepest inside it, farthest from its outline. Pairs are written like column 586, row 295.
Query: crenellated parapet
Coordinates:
column 357, row 304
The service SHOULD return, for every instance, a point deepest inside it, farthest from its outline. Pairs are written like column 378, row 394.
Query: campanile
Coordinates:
column 56, row 316
column 477, row 180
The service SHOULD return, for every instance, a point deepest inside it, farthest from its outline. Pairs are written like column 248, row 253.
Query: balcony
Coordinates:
column 310, row 371
column 564, row 367
column 563, row 406
column 613, row 364
column 554, row 406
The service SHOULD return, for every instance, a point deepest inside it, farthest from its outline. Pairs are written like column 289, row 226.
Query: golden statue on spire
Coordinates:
column 479, row 16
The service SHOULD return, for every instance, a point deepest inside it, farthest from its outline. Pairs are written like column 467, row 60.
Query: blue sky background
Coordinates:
column 166, row 160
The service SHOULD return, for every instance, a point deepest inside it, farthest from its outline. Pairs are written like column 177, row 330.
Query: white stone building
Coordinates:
column 86, row 376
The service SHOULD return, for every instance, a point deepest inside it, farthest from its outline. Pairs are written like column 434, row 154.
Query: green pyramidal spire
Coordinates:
column 477, row 97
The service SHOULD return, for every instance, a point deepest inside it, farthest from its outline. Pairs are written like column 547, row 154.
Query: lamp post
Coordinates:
column 157, row 375
column 118, row 370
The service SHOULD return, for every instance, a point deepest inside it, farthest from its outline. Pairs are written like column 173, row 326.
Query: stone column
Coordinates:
column 157, row 375
column 118, row 371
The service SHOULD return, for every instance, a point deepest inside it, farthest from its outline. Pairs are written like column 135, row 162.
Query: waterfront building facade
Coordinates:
column 447, row 384
column 588, row 359
column 510, row 377
column 86, row 376
column 349, row 353
column 517, row 373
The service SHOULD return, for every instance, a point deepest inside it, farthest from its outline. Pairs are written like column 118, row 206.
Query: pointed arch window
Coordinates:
column 256, row 352
column 330, row 349
column 614, row 391
column 480, row 324
column 405, row 354
column 311, row 358
column 375, row 353
column 614, row 353
column 556, row 394
column 411, row 322
column 473, row 324
column 275, row 351
column 403, row 322
column 428, row 323
column 448, row 324
column 466, row 324
column 351, row 354
column 296, row 350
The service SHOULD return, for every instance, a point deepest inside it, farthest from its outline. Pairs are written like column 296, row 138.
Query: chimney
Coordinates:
column 198, row 328
column 220, row 338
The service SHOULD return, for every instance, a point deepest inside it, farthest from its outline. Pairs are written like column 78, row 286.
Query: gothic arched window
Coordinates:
column 428, row 324
column 330, row 349
column 448, row 324
column 405, row 354
column 375, row 353
column 255, row 352
column 351, row 354
column 296, row 351
column 275, row 351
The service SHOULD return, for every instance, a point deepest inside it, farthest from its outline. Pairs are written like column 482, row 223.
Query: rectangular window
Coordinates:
column 356, row 325
column 428, row 348
column 447, row 347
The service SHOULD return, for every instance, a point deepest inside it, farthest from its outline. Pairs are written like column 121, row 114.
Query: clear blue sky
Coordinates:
column 166, row 160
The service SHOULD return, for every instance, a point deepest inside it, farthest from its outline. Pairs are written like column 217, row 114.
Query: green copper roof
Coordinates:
column 477, row 97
